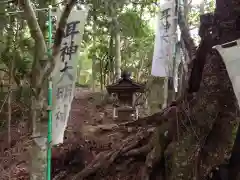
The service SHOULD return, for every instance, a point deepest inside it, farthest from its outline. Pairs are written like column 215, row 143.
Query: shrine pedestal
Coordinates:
column 125, row 114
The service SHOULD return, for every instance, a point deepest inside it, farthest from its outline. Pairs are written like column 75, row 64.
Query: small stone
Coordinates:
column 130, row 129
column 184, row 163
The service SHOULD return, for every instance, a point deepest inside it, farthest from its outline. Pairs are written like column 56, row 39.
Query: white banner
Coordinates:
column 65, row 74
column 165, row 39
column 177, row 62
column 230, row 56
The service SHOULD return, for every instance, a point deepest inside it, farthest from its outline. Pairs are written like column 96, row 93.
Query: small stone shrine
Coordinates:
column 125, row 90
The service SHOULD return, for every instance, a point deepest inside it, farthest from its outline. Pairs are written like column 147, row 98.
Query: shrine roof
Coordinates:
column 125, row 83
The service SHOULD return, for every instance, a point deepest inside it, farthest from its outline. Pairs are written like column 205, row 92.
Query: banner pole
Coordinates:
column 49, row 138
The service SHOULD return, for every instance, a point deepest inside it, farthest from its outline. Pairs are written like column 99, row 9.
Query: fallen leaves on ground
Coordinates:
column 90, row 131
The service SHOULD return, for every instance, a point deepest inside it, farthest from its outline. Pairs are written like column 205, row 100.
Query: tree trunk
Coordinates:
column 101, row 74
column 110, row 58
column 38, row 151
column 202, row 4
column 94, row 46
column 139, row 69
column 38, row 163
column 11, row 67
column 115, row 29
column 117, row 51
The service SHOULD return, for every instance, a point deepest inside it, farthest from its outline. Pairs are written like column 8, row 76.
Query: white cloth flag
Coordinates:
column 230, row 56
column 165, row 39
column 64, row 75
column 176, row 68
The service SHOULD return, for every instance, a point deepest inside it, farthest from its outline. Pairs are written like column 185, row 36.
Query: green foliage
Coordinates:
column 132, row 25
column 137, row 37
column 209, row 6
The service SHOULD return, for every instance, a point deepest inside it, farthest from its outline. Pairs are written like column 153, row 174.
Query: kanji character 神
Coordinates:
column 68, row 50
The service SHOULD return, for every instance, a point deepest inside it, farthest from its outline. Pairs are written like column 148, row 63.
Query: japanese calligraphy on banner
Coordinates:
column 165, row 40
column 64, row 75
column 230, row 55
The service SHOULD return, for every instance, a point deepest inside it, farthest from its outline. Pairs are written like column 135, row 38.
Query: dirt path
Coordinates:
column 88, row 133
column 82, row 139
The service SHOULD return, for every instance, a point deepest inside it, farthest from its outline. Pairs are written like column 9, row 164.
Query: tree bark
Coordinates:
column 117, row 40
column 110, row 57
column 41, row 70
column 202, row 4
column 94, row 58
column 117, row 51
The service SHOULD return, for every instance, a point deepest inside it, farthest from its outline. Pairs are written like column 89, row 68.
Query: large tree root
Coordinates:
column 130, row 147
column 149, row 143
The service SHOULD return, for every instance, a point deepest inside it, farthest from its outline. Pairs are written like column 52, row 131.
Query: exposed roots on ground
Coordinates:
column 129, row 147
column 148, row 145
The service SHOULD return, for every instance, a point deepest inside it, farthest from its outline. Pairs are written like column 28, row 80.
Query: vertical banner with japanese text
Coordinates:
column 165, row 40
column 65, row 73
column 230, row 55
column 176, row 69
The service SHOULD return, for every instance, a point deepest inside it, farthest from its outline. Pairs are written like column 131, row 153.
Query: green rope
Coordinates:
column 49, row 138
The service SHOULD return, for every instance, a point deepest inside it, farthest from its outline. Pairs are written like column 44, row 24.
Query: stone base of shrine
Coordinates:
column 125, row 114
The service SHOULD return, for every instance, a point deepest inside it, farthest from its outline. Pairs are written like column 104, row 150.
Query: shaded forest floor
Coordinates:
column 90, row 131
